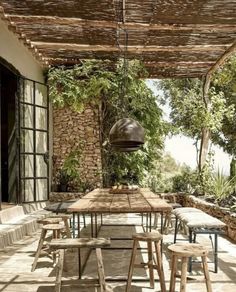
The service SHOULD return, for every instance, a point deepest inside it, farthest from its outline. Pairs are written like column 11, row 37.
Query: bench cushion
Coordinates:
column 195, row 218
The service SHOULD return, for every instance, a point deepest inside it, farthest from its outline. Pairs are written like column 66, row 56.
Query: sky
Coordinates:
column 182, row 149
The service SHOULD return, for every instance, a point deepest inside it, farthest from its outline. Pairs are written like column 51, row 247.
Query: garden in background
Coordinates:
column 208, row 119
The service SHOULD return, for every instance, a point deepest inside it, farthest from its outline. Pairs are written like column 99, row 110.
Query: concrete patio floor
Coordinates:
column 16, row 261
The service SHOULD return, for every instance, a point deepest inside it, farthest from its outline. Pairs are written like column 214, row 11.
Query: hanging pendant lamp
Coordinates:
column 126, row 135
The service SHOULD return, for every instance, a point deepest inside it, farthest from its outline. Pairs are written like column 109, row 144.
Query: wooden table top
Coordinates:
column 101, row 201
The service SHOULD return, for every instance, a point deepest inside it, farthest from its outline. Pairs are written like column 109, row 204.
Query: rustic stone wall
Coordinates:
column 224, row 214
column 70, row 129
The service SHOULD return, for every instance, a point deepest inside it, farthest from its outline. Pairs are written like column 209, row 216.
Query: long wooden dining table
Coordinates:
column 103, row 201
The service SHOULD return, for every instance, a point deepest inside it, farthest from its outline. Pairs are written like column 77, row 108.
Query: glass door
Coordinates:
column 33, row 141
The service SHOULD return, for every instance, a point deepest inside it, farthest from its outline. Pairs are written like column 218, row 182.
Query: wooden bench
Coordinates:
column 62, row 244
column 198, row 222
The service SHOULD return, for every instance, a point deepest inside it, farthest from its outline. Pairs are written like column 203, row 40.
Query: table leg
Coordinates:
column 176, row 229
column 79, row 264
column 150, row 222
column 73, row 225
column 96, row 225
column 91, row 224
column 78, row 225
column 162, row 232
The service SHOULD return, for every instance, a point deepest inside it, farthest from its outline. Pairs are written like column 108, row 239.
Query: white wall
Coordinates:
column 15, row 53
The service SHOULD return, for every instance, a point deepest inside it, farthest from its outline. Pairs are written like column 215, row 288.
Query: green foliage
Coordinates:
column 95, row 82
column 70, row 168
column 188, row 111
column 186, row 181
column 79, row 85
column 224, row 80
column 222, row 187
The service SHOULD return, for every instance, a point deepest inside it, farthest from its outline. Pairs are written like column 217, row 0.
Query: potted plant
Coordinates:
column 69, row 171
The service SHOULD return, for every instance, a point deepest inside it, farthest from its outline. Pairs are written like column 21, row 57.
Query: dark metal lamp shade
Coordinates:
column 126, row 135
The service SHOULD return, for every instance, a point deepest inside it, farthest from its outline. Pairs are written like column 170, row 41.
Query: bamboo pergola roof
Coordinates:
column 174, row 38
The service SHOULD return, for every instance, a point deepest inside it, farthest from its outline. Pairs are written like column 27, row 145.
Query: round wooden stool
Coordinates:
column 56, row 229
column 56, row 219
column 149, row 237
column 185, row 251
column 49, row 220
column 66, row 219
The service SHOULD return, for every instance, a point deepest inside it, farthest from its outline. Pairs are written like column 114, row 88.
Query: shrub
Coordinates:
column 186, row 181
column 222, row 186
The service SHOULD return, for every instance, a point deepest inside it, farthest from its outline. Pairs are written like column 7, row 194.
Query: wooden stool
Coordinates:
column 62, row 244
column 149, row 237
column 186, row 251
column 56, row 228
column 49, row 220
column 65, row 218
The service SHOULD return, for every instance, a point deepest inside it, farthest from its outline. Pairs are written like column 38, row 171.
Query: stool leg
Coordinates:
column 160, row 266
column 101, row 274
column 206, row 274
column 59, row 270
column 40, row 245
column 150, row 263
column 174, row 259
column 68, row 234
column 183, row 274
column 56, row 234
column 131, row 265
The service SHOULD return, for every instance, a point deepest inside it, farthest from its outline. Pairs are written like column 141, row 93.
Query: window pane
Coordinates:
column 41, row 118
column 41, row 189
column 27, row 141
column 27, row 117
column 41, row 142
column 41, row 166
column 40, row 94
column 28, row 190
column 29, row 92
column 27, row 165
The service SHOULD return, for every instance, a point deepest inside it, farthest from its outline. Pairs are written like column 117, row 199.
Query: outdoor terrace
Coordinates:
column 16, row 262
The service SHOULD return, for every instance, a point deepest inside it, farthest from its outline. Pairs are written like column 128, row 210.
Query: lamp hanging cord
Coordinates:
column 120, row 15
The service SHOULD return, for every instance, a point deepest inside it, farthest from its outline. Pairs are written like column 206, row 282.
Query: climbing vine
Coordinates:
column 102, row 83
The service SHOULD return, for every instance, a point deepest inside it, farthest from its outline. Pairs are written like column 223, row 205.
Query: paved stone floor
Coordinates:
column 16, row 261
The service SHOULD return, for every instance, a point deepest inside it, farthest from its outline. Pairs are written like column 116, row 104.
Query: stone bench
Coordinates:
column 15, row 224
column 198, row 222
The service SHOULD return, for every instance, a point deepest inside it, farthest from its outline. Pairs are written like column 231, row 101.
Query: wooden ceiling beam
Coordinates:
column 131, row 49
column 51, row 20
column 179, row 64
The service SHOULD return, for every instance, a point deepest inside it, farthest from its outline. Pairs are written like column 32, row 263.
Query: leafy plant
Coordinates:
column 186, row 181
column 70, row 169
column 222, row 187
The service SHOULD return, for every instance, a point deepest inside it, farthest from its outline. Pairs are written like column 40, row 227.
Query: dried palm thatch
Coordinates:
column 174, row 38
